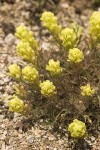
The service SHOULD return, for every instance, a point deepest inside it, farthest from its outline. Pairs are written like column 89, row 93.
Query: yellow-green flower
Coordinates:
column 48, row 18
column 95, row 26
column 77, row 129
column 25, row 51
column 54, row 67
column 21, row 32
column 75, row 55
column 68, row 38
column 87, row 90
column 26, row 36
column 51, row 23
column 47, row 88
column 16, row 105
column 30, row 74
column 15, row 71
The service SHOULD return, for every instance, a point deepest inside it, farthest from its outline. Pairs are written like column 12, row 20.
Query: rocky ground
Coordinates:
column 16, row 133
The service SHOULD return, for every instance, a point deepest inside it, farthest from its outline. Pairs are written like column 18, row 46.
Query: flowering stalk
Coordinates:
column 26, row 36
column 51, row 23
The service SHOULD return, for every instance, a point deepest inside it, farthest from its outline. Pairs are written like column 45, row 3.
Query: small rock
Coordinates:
column 3, row 146
column 45, row 46
column 92, row 138
column 2, row 126
column 41, row 120
column 20, row 136
column 52, row 138
column 9, row 39
column 6, row 79
column 6, row 104
column 30, row 139
column 15, row 133
column 64, row 5
column 87, row 53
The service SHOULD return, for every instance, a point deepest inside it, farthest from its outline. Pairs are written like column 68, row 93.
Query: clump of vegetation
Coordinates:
column 63, row 83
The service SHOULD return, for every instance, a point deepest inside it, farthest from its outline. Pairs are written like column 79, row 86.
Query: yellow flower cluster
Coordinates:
column 48, row 18
column 47, row 88
column 26, row 36
column 75, row 55
column 95, row 26
column 15, row 71
column 54, row 67
column 30, row 74
column 77, row 129
column 68, row 38
column 25, row 51
column 16, row 105
column 51, row 23
column 87, row 91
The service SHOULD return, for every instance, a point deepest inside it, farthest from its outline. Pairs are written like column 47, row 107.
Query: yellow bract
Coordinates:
column 47, row 88
column 15, row 71
column 68, row 38
column 95, row 26
column 54, row 67
column 51, row 23
column 75, row 55
column 77, row 129
column 16, row 105
column 87, row 91
column 48, row 18
column 30, row 74
column 21, row 32
column 25, row 51
column 26, row 36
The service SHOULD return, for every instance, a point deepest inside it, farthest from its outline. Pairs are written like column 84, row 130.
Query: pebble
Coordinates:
column 6, row 104
column 92, row 138
column 9, row 39
column 6, row 79
column 30, row 139
column 20, row 136
column 41, row 120
column 3, row 147
column 65, row 5
column 15, row 133
column 2, row 126
column 45, row 46
column 52, row 138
